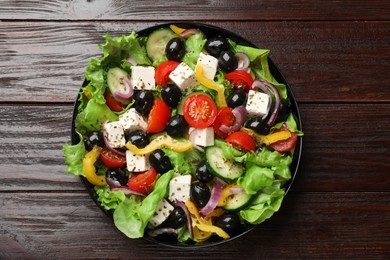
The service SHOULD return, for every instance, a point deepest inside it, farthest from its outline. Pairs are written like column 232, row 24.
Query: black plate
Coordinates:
column 209, row 31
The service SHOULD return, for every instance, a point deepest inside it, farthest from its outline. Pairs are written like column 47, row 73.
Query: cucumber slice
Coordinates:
column 157, row 41
column 237, row 202
column 227, row 170
column 114, row 80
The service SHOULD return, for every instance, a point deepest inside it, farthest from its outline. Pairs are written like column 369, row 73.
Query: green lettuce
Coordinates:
column 184, row 163
column 109, row 199
column 194, row 45
column 256, row 178
column 131, row 216
column 74, row 155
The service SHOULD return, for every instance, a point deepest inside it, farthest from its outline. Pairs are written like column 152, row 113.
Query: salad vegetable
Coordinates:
column 183, row 134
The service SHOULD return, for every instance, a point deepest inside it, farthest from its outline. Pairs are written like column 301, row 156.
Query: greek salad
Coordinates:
column 183, row 134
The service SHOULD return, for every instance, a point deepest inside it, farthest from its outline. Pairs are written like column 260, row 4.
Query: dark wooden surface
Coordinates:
column 335, row 55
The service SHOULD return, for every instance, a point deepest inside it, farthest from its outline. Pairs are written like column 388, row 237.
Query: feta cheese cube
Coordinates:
column 179, row 188
column 183, row 76
column 209, row 65
column 114, row 134
column 202, row 136
column 137, row 163
column 142, row 77
column 164, row 208
column 257, row 103
column 131, row 120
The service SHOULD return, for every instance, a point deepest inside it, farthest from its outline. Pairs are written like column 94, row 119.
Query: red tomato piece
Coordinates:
column 287, row 145
column 199, row 110
column 143, row 182
column 163, row 70
column 112, row 103
column 158, row 116
column 240, row 79
column 225, row 118
column 242, row 140
column 112, row 159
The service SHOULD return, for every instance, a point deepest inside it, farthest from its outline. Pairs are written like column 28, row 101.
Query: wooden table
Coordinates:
column 335, row 55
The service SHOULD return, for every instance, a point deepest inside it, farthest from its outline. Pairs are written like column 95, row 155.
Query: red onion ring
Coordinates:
column 219, row 181
column 132, row 60
column 243, row 61
column 158, row 231
column 236, row 190
column 189, row 32
column 240, row 115
column 107, row 143
column 127, row 190
column 270, row 90
column 278, row 101
column 188, row 216
column 129, row 90
column 113, row 183
column 216, row 193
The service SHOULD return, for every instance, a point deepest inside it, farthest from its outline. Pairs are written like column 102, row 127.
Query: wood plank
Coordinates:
column 324, row 225
column 345, row 148
column 195, row 10
column 323, row 62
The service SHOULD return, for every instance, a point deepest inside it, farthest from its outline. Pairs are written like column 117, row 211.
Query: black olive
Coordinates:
column 176, row 126
column 258, row 125
column 94, row 138
column 159, row 161
column 118, row 175
column 215, row 45
column 202, row 173
column 229, row 222
column 227, row 61
column 284, row 111
column 171, row 95
column 143, row 101
column 237, row 98
column 175, row 49
column 177, row 218
column 200, row 194
column 139, row 138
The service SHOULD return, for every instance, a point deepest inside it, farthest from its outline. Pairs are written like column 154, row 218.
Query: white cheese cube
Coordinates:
column 257, row 103
column 164, row 208
column 142, row 77
column 137, row 163
column 179, row 188
column 131, row 120
column 209, row 65
column 114, row 134
column 202, row 136
column 183, row 76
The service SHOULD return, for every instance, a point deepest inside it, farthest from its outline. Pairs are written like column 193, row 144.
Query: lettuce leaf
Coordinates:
column 109, row 199
column 74, row 155
column 194, row 45
column 256, row 178
column 184, row 163
column 131, row 216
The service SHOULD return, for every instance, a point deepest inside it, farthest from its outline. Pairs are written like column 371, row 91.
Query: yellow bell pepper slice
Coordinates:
column 201, row 224
column 225, row 194
column 200, row 235
column 176, row 29
column 161, row 141
column 270, row 138
column 211, row 84
column 89, row 168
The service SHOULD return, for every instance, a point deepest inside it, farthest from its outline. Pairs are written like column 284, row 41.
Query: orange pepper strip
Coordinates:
column 270, row 138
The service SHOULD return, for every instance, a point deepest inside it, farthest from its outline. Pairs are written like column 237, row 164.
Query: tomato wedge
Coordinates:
column 143, row 182
column 112, row 159
column 112, row 103
column 163, row 70
column 242, row 140
column 199, row 110
column 240, row 79
column 158, row 116
column 287, row 145
column 224, row 119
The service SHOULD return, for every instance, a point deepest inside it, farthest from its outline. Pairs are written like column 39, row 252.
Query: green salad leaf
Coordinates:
column 74, row 155
column 185, row 162
column 194, row 45
column 109, row 199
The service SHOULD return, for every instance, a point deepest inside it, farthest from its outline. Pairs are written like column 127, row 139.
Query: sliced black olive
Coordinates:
column 175, row 49
column 229, row 222
column 143, row 101
column 139, row 138
column 202, row 173
column 171, row 95
column 159, row 161
column 227, row 61
column 284, row 111
column 117, row 174
column 176, row 126
column 200, row 194
column 237, row 98
column 258, row 125
column 177, row 218
column 215, row 45
column 94, row 138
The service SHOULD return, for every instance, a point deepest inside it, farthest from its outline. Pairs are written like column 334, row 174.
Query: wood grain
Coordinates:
column 340, row 152
column 69, row 225
column 194, row 10
column 323, row 62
